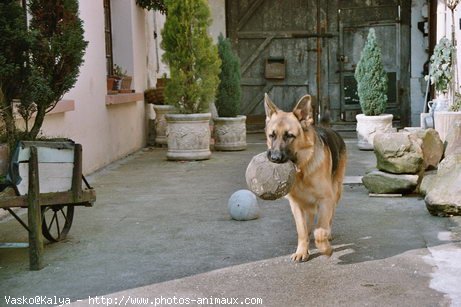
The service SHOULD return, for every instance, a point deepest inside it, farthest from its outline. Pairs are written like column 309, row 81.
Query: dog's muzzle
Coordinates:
column 277, row 156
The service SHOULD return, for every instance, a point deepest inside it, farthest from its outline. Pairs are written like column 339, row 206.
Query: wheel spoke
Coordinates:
column 65, row 217
column 57, row 225
column 51, row 223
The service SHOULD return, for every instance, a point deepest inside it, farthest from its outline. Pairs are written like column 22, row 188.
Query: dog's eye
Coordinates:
column 289, row 135
column 273, row 135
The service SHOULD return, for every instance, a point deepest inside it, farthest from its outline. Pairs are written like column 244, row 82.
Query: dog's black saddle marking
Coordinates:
column 335, row 143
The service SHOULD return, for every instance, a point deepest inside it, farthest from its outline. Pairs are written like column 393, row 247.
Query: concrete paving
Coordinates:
column 160, row 233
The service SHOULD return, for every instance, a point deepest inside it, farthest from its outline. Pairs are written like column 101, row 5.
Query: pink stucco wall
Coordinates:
column 107, row 133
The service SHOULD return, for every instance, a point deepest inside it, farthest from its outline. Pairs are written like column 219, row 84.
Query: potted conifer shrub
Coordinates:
column 371, row 89
column 229, row 127
column 194, row 68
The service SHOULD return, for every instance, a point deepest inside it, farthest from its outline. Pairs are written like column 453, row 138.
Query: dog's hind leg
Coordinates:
column 322, row 233
column 302, row 253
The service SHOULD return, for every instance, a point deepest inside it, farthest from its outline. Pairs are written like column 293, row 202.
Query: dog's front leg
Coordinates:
column 302, row 253
column 322, row 233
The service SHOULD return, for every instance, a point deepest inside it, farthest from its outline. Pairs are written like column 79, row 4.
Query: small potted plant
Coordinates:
column 230, row 128
column 371, row 89
column 123, row 80
column 194, row 76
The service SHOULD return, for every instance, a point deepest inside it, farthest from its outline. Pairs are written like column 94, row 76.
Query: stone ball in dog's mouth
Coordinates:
column 269, row 180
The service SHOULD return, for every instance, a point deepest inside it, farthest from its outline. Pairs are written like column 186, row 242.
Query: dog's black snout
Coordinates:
column 276, row 156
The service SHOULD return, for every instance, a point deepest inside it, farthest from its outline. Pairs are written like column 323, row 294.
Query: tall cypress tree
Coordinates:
column 229, row 92
column 191, row 56
column 371, row 78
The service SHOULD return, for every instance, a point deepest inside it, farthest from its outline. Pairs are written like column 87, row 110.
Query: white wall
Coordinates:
column 419, row 44
column 218, row 14
column 107, row 133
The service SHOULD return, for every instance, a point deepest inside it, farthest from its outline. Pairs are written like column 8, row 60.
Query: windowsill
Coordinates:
column 123, row 98
column 62, row 106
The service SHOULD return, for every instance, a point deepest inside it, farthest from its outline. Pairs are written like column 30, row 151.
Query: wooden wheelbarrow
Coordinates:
column 47, row 180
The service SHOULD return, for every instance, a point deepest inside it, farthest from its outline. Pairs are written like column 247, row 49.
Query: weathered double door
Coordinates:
column 292, row 47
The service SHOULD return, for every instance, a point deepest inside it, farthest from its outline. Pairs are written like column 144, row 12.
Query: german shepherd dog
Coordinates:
column 319, row 154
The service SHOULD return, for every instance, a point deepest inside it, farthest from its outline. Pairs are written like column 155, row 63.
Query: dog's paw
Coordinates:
column 300, row 256
column 322, row 241
column 324, row 247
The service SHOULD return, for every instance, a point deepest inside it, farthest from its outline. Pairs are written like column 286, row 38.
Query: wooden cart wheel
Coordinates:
column 56, row 221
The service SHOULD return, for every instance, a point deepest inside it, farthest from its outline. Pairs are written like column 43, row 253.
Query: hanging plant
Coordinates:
column 156, row 5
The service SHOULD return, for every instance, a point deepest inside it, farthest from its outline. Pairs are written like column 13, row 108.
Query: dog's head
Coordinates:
column 285, row 130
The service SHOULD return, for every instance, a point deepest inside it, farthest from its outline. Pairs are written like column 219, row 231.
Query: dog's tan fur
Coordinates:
column 318, row 185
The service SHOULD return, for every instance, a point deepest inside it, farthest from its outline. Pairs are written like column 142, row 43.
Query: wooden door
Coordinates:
column 390, row 20
column 292, row 47
column 276, row 45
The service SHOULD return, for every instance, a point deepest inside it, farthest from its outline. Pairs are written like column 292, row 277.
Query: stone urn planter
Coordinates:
column 188, row 136
column 230, row 133
column 444, row 120
column 369, row 126
column 160, row 123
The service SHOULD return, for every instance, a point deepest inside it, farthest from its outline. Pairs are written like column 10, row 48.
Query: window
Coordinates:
column 108, row 38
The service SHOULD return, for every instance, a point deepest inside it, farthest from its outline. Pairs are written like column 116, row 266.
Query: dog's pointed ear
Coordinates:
column 269, row 106
column 303, row 111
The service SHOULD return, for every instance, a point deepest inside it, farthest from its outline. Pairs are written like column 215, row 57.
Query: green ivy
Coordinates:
column 371, row 78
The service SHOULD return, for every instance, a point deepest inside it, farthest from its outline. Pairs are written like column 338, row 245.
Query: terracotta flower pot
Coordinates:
column 110, row 83
column 126, row 83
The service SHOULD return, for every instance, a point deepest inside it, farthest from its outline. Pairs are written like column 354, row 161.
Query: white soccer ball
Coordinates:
column 243, row 206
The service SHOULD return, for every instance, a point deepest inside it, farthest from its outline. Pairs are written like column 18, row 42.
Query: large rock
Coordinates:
column 443, row 194
column 426, row 182
column 453, row 140
column 398, row 153
column 431, row 145
column 384, row 183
